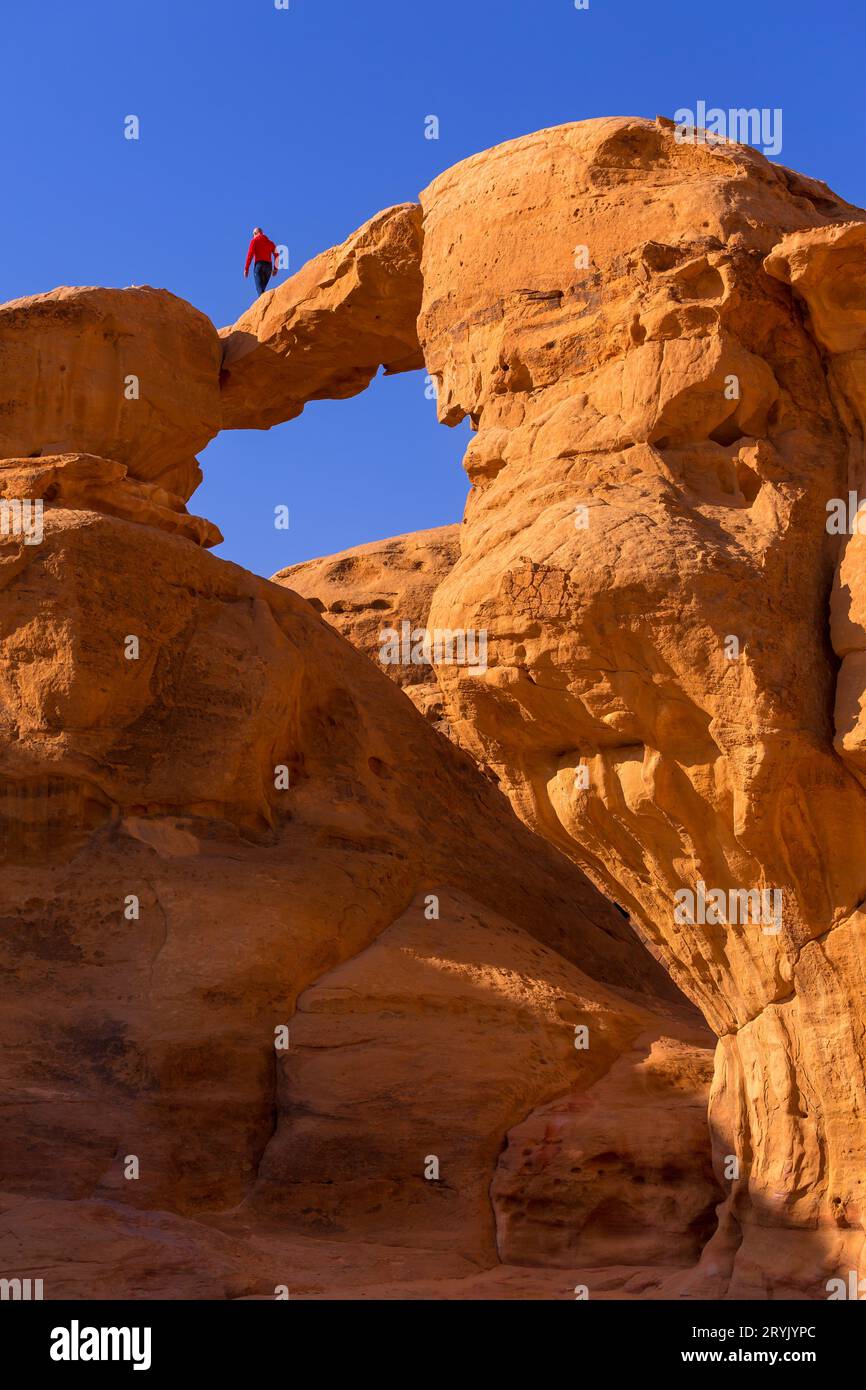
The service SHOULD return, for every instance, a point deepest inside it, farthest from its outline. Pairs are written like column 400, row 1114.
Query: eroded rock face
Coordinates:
column 324, row 333
column 128, row 375
column 88, row 483
column 659, row 345
column 646, row 545
column 826, row 267
column 613, row 1175
column 244, row 827
column 371, row 591
column 470, row 985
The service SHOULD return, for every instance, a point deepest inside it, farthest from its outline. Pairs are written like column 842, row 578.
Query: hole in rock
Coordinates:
column 727, row 433
column 748, row 481
column 659, row 256
column 376, row 465
column 701, row 281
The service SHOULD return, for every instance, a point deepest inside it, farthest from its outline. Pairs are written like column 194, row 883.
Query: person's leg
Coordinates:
column 262, row 274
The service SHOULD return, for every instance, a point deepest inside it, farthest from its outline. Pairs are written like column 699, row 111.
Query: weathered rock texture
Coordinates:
column 489, row 1014
column 129, row 375
column 95, row 484
column 658, row 436
column 827, row 269
column 375, row 589
column 325, row 332
column 168, row 903
column 660, row 346
column 597, row 1178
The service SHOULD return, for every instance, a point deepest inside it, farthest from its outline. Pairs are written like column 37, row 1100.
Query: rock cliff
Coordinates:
column 374, row 590
column 277, row 946
column 660, row 346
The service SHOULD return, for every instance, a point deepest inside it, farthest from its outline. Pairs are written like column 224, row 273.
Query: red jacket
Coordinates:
column 261, row 249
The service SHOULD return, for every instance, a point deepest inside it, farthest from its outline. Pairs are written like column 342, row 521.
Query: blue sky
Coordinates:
column 311, row 119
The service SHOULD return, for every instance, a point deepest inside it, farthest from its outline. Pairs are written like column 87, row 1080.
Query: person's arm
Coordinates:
column 274, row 258
column 249, row 258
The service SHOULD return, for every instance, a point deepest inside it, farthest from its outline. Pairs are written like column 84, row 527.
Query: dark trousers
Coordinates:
column 261, row 274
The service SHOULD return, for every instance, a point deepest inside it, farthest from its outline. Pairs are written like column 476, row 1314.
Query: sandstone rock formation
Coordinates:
column 219, row 819
column 232, row 825
column 827, row 269
column 324, row 333
column 659, row 346
column 595, row 1178
column 646, row 543
column 377, row 588
column 489, row 1014
column 96, row 484
column 128, row 375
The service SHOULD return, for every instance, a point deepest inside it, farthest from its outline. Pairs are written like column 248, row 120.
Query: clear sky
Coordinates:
column 309, row 120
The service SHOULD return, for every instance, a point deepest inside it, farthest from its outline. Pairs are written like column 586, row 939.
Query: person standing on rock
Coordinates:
column 262, row 254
